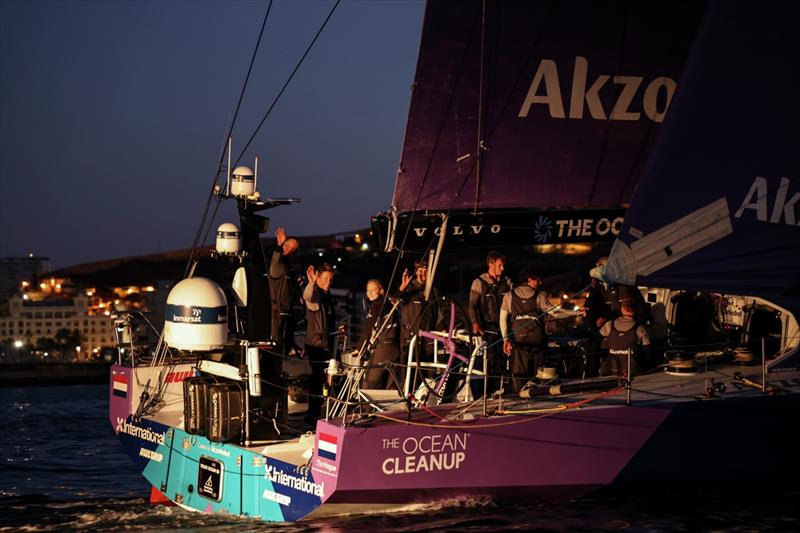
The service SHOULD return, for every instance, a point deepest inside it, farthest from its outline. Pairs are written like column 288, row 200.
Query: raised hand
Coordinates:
column 311, row 272
column 406, row 280
column 280, row 236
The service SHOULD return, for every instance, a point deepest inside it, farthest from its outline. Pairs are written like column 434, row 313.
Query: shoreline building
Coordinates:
column 29, row 322
column 15, row 270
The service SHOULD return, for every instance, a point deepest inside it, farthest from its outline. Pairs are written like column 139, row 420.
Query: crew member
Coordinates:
column 281, row 287
column 598, row 311
column 526, row 307
column 631, row 294
column 386, row 346
column 485, row 296
column 320, row 328
column 622, row 335
column 416, row 313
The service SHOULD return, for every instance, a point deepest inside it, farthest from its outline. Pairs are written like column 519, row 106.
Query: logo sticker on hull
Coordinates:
column 209, row 478
column 428, row 453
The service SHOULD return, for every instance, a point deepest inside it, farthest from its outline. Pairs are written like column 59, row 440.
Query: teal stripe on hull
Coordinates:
column 242, row 482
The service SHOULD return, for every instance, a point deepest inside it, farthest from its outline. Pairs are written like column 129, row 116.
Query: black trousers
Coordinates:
column 619, row 365
column 496, row 358
column 378, row 378
column 283, row 332
column 595, row 351
column 525, row 359
column 318, row 357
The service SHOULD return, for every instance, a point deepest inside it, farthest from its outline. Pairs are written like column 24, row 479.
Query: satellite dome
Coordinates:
column 243, row 181
column 229, row 239
column 243, row 171
column 197, row 316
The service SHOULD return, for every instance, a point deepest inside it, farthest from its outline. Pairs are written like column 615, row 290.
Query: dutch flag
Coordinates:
column 120, row 385
column 326, row 446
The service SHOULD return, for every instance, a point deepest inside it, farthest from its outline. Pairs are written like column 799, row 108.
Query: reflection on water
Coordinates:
column 62, row 469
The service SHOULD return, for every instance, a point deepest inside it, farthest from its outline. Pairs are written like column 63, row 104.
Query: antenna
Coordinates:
column 228, row 186
column 255, row 178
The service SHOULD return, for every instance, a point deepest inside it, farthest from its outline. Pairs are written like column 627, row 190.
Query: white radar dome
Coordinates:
column 242, row 182
column 229, row 239
column 197, row 316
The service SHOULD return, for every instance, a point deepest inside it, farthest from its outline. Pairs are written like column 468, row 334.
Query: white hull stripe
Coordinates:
column 327, row 446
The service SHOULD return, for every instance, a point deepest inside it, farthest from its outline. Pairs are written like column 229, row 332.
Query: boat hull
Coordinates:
column 549, row 453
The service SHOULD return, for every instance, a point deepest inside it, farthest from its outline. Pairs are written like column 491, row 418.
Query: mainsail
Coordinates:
column 717, row 206
column 521, row 106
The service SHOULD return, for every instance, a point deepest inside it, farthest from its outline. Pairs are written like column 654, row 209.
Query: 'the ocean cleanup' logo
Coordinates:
column 140, row 432
column 429, row 453
column 543, row 229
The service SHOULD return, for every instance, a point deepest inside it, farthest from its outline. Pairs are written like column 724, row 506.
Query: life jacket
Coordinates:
column 491, row 298
column 320, row 324
column 525, row 322
column 375, row 319
column 411, row 313
column 619, row 342
column 281, row 288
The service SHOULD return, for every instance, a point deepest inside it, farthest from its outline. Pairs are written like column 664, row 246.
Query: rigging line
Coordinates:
column 541, row 413
column 211, row 223
column 289, row 79
column 428, row 166
column 222, row 153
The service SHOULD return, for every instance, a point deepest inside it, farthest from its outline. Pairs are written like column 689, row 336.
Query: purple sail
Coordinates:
column 717, row 207
column 572, row 97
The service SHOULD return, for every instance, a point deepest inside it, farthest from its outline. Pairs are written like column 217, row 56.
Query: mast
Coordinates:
column 479, row 148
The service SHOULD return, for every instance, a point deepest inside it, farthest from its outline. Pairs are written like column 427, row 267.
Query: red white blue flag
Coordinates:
column 120, row 385
column 326, row 446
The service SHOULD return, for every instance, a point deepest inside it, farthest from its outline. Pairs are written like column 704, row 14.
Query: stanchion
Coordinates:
column 630, row 379
column 763, row 366
column 485, row 375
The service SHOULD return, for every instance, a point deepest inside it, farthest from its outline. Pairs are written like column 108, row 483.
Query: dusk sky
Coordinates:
column 113, row 114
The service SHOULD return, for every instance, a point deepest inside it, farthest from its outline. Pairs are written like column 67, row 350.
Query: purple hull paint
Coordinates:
column 119, row 407
column 569, row 454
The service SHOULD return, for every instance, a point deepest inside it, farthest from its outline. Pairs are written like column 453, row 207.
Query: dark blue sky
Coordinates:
column 112, row 116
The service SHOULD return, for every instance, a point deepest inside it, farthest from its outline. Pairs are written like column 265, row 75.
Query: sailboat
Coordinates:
column 513, row 134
